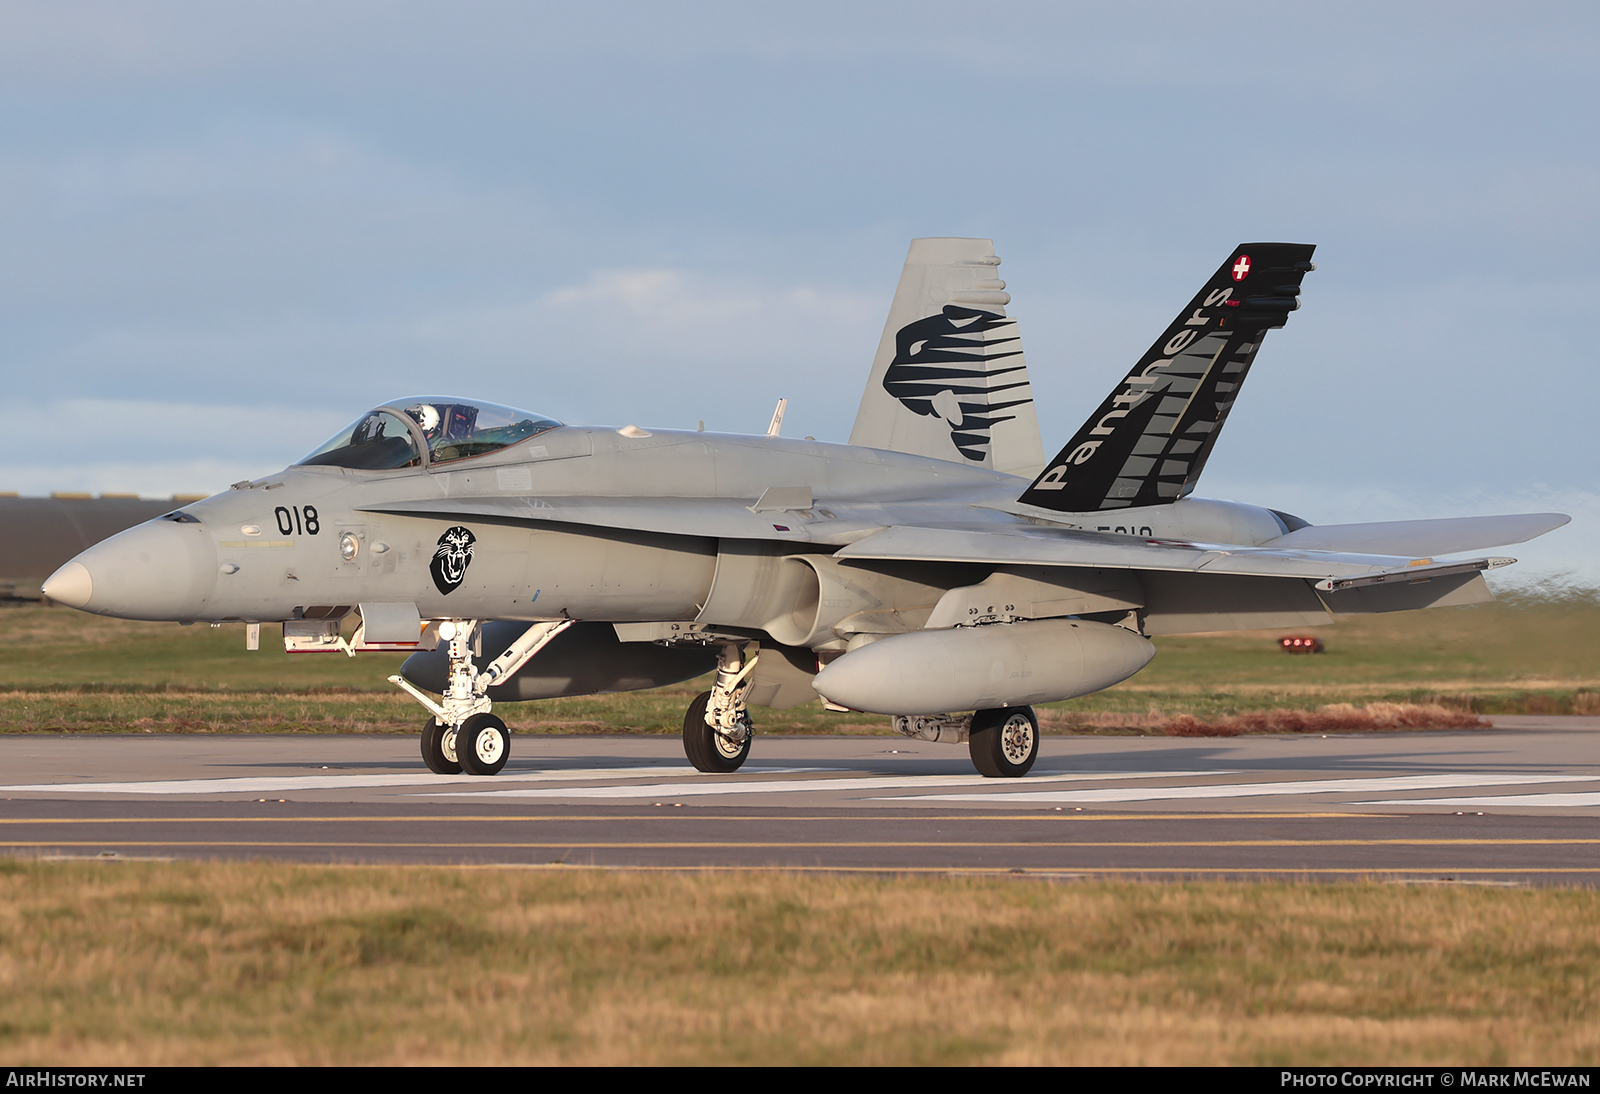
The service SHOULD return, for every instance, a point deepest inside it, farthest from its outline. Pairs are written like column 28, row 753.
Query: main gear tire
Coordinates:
column 439, row 748
column 483, row 745
column 1004, row 742
column 707, row 749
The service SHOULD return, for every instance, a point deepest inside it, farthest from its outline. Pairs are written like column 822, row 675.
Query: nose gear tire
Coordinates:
column 441, row 760
column 483, row 745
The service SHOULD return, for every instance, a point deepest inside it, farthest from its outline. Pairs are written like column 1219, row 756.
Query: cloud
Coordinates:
column 652, row 306
column 244, row 216
column 1356, row 46
column 661, row 346
column 671, row 347
column 667, row 213
column 150, row 447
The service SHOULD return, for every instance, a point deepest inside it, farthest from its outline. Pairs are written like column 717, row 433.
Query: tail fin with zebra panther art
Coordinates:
column 949, row 380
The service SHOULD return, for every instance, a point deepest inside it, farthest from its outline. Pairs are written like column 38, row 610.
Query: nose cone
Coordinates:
column 71, row 585
column 156, row 570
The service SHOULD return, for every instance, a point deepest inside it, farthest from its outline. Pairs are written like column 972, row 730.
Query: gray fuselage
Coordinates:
column 311, row 539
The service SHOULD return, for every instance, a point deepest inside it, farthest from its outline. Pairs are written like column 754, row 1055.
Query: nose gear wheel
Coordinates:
column 483, row 745
column 439, row 748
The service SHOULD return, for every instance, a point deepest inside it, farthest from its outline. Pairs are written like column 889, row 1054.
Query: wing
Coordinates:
column 1181, row 588
column 871, row 531
column 1067, row 547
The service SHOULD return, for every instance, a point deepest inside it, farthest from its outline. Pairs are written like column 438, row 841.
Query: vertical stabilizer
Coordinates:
column 1149, row 440
column 949, row 380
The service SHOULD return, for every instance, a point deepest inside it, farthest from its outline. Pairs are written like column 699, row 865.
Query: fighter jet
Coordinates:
column 935, row 569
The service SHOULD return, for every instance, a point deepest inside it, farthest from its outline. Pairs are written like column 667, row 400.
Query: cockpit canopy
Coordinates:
column 450, row 428
column 376, row 441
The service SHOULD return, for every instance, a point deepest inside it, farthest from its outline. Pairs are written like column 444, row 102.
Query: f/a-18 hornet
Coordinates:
column 936, row 568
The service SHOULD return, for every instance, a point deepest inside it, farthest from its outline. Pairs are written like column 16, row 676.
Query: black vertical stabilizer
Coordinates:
column 1149, row 440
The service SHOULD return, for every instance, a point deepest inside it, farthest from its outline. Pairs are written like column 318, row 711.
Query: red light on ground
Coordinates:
column 1301, row 644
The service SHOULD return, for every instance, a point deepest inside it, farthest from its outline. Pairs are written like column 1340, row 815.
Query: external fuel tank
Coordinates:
column 978, row 668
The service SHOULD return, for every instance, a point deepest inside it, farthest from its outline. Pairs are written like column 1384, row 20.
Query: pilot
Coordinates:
column 427, row 416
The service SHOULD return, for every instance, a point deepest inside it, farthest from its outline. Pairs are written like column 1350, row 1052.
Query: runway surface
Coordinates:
column 1520, row 803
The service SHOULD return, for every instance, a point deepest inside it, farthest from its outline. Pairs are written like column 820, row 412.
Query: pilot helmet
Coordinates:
column 426, row 415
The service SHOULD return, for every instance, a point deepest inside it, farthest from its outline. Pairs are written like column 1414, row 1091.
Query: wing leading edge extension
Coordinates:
column 1149, row 440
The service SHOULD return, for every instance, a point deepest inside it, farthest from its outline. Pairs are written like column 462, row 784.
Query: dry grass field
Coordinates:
column 1534, row 652
column 260, row 963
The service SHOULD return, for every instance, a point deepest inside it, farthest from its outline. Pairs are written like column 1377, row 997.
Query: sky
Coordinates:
column 228, row 229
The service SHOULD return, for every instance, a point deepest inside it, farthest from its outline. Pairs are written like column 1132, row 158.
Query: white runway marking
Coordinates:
column 273, row 783
column 723, row 784
column 656, row 781
column 1576, row 800
column 1389, row 784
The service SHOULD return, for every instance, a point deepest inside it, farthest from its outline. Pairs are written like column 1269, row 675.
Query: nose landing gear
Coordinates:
column 462, row 735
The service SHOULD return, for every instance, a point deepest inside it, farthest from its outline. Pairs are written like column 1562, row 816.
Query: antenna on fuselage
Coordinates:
column 777, row 418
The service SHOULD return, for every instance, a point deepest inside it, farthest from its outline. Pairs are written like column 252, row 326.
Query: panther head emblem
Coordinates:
column 451, row 558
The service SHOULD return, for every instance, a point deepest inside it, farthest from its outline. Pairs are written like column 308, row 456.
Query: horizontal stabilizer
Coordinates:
column 1419, row 538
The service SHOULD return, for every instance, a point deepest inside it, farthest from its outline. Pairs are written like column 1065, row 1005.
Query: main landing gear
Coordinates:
column 462, row 735
column 1004, row 742
column 716, row 729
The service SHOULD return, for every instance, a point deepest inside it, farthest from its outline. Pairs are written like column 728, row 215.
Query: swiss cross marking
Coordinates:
column 1241, row 268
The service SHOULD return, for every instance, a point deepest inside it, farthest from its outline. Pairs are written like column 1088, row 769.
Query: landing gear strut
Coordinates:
column 462, row 735
column 716, row 729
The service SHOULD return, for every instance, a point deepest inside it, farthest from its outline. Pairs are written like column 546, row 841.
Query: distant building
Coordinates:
column 38, row 535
